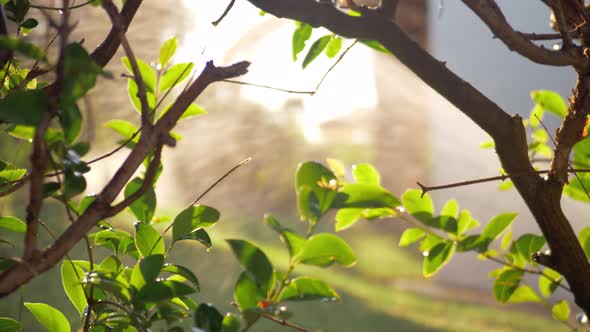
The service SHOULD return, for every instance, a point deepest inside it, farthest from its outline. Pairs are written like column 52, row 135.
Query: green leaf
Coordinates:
column 308, row 204
column 524, row 294
column 324, row 249
column 174, row 75
column 430, row 240
column 183, row 272
column 420, row 207
column 52, row 319
column 561, row 311
column 71, row 122
column 375, row 45
column 365, row 195
column 25, row 107
column 528, row 244
column 465, row 222
column 247, row 292
column 410, row 236
column 71, row 278
column 549, row 281
column 163, row 290
column 23, row 47
column 496, row 226
column 293, row 241
column 506, row 283
column 254, row 261
column 28, row 25
column 146, row 71
column 437, row 257
column 300, row 36
column 111, row 264
column 123, row 128
column 13, row 224
column 307, row 288
column 201, row 236
column 167, row 51
column 506, row 239
column 9, row 325
column 536, row 116
column 144, row 207
column 192, row 110
column 316, row 49
column 133, row 89
column 334, row 46
column 208, row 318
column 365, row 173
column 551, row 101
column 146, row 271
column 230, row 323
column 584, row 238
column 193, row 218
column 80, row 73
column 147, row 240
column 346, row 217
column 316, row 190
column 74, row 183
column 447, row 220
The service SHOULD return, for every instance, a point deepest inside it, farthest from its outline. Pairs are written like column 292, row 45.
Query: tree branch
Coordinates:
column 107, row 49
column 117, row 21
column 541, row 197
column 489, row 12
column 25, row 270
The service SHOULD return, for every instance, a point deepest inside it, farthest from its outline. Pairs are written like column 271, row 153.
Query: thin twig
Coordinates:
column 541, row 36
column 562, row 25
column 270, row 87
column 334, row 65
column 117, row 21
column 214, row 184
column 225, row 12
column 286, row 323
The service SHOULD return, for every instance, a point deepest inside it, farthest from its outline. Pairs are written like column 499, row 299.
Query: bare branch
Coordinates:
column 286, row 323
column 225, row 12
column 489, row 12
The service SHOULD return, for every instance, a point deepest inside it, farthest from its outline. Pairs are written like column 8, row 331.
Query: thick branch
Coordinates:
column 490, row 14
column 107, row 49
column 541, row 197
column 21, row 273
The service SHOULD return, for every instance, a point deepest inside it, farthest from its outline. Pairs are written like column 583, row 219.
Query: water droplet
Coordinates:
column 401, row 209
column 425, row 253
column 158, row 67
column 209, row 249
column 61, row 12
column 556, row 47
column 334, row 299
column 582, row 318
column 325, row 299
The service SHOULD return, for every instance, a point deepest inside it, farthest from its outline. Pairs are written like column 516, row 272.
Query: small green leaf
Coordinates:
column 293, row 241
column 506, row 283
column 528, row 244
column 163, row 290
column 28, row 25
column 25, row 107
column 300, row 36
column 536, row 116
column 254, row 261
column 23, row 47
column 201, row 236
column 174, row 75
column 324, row 249
column 365, row 173
column 410, row 236
column 193, row 218
column 80, row 73
column 74, row 183
column 13, row 224
column 420, row 207
column 192, row 110
column 487, row 145
column 316, row 49
column 496, row 226
column 375, row 45
column 524, row 294
column 230, row 323
column 71, row 278
column 506, row 239
column 346, row 217
column 561, row 311
column 147, row 240
column 167, row 51
column 144, row 207
column 307, row 288
column 551, row 101
column 208, row 318
column 465, row 222
column 9, row 325
column 333, row 47
column 366, row 196
column 71, row 122
column 247, row 292
column 437, row 257
column 123, row 128
column 146, row 71
column 182, row 271
column 146, row 271
column 132, row 91
column 52, row 319
column 549, row 281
